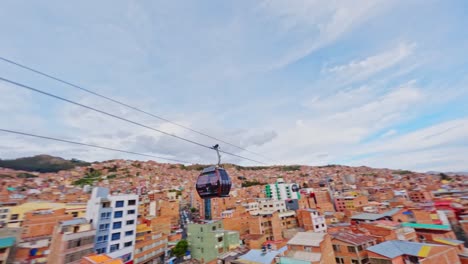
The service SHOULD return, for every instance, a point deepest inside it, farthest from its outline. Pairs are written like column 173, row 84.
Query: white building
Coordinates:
column 269, row 206
column 318, row 221
column 282, row 191
column 115, row 219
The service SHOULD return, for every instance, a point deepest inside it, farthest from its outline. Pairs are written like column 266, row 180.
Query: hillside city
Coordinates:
column 124, row 211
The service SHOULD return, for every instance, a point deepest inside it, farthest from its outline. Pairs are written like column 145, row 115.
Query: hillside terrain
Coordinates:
column 42, row 163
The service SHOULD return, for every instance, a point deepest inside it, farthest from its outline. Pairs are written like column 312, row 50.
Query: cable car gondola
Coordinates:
column 214, row 181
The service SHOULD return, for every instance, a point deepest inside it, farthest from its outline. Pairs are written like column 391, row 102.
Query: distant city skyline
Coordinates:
column 374, row 83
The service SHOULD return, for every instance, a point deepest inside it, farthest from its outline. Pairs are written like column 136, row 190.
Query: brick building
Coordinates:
column 309, row 247
column 350, row 248
column 71, row 241
column 398, row 252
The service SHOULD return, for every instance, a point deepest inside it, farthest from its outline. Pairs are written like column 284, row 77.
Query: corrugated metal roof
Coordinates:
column 351, row 238
column 448, row 241
column 307, row 239
column 7, row 242
column 257, row 256
column 367, row 216
column 373, row 217
column 427, row 226
column 394, row 248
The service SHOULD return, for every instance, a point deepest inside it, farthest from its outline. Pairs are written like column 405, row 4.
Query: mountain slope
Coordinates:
column 41, row 163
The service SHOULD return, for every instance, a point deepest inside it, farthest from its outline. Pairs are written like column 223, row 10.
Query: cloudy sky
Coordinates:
column 376, row 83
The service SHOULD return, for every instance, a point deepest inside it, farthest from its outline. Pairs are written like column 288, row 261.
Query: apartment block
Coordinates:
column 420, row 196
column 150, row 245
column 311, row 220
column 209, row 240
column 71, row 241
column 37, row 230
column 343, row 203
column 282, row 191
column 350, row 248
column 115, row 218
column 309, row 247
column 266, row 224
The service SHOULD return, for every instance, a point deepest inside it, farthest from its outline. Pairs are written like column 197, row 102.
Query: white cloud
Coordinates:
column 362, row 69
column 321, row 23
column 389, row 133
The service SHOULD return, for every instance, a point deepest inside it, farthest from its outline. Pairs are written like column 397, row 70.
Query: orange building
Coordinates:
column 309, row 247
column 431, row 233
column 267, row 224
column 237, row 220
column 350, row 248
column 150, row 245
column 310, row 219
column 419, row 196
column 71, row 241
column 100, row 259
column 350, row 203
column 384, row 230
column 170, row 209
column 401, row 252
column 38, row 227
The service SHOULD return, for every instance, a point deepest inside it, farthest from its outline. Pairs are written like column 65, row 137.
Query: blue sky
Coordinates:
column 376, row 83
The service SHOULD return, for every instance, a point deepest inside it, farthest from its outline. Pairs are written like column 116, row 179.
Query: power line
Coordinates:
column 121, row 118
column 90, row 145
column 126, row 105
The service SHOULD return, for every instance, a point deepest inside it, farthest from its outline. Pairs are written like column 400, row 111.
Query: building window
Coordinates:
column 130, row 222
column 339, row 260
column 14, row 217
column 131, row 202
column 359, row 248
column 380, row 261
column 355, row 261
column 129, row 233
column 213, row 228
column 115, row 236
column 114, row 247
column 351, row 249
column 220, row 239
column 119, row 204
column 128, row 244
column 105, row 215
column 101, row 250
column 336, row 248
column 308, row 249
column 131, row 211
column 118, row 214
column 117, row 225
column 103, row 227
column 101, row 239
column 106, row 205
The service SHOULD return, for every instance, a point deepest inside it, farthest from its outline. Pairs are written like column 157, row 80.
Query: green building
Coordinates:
column 209, row 240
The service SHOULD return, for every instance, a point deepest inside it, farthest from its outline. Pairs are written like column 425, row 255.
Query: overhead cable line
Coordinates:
column 121, row 118
column 126, row 105
column 90, row 145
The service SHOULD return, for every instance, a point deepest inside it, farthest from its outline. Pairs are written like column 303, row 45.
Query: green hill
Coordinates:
column 42, row 163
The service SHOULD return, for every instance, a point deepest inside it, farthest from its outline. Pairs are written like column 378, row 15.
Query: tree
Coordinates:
column 193, row 209
column 180, row 249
